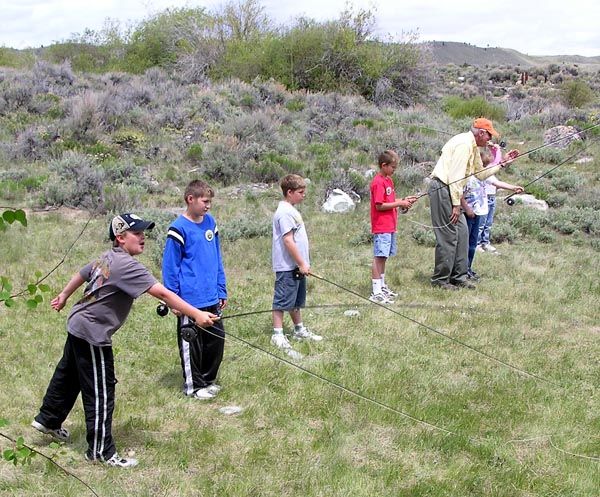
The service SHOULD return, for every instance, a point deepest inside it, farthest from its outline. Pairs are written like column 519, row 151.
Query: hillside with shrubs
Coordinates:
column 114, row 121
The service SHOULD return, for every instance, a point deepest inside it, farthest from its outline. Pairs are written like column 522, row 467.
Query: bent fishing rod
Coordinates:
column 509, row 198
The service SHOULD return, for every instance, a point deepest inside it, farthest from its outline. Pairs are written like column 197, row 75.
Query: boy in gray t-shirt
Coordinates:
column 291, row 264
column 114, row 281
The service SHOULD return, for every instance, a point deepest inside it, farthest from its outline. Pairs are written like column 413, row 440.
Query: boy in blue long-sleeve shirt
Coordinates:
column 193, row 269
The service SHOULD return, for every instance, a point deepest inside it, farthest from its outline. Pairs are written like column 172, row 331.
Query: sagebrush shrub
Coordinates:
column 75, row 181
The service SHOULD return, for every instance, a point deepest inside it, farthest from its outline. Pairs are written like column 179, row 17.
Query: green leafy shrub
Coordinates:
column 194, row 153
column 459, row 108
column 576, row 93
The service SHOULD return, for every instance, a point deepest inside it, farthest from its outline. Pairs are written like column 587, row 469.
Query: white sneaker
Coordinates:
column 116, row 461
column 214, row 388
column 490, row 248
column 280, row 341
column 388, row 292
column 204, row 393
column 61, row 434
column 380, row 298
column 480, row 248
column 121, row 462
column 306, row 334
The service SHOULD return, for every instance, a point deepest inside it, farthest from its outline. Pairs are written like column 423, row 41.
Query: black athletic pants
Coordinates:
column 87, row 369
column 200, row 359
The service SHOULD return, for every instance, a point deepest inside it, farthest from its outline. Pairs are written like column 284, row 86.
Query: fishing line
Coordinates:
column 509, row 198
column 427, row 327
column 373, row 401
column 339, row 385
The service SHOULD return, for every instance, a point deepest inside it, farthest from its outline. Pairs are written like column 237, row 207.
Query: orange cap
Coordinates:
column 483, row 123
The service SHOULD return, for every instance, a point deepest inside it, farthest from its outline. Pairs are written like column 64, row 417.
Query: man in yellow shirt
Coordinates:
column 460, row 159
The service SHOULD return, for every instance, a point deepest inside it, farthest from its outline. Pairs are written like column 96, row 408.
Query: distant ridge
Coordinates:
column 452, row 52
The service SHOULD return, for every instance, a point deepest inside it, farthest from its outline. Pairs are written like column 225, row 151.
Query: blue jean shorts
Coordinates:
column 384, row 244
column 290, row 291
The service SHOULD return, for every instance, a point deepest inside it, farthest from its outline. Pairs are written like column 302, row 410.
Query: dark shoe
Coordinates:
column 444, row 285
column 465, row 284
column 472, row 275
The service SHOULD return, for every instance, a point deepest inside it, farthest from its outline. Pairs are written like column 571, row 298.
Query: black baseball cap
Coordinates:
column 125, row 222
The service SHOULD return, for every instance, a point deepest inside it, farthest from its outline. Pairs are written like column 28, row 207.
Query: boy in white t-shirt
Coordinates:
column 291, row 264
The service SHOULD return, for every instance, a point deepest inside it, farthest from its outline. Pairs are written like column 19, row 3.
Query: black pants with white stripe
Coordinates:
column 200, row 359
column 90, row 370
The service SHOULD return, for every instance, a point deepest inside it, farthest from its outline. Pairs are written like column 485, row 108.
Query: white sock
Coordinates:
column 376, row 286
column 382, row 279
column 277, row 331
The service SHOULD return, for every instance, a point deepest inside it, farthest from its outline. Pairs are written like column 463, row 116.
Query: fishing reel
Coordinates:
column 189, row 331
column 162, row 309
column 510, row 201
column 502, row 144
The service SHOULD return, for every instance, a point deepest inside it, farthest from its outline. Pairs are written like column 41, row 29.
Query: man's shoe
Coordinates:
column 465, row 284
column 489, row 248
column 480, row 248
column 388, row 292
column 380, row 298
column 445, row 286
column 306, row 334
column 472, row 275
column 60, row 434
column 204, row 393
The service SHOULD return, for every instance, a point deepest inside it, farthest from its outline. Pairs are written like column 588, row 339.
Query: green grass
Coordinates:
column 298, row 435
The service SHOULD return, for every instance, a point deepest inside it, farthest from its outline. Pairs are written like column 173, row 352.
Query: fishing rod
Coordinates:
column 509, row 198
column 508, row 161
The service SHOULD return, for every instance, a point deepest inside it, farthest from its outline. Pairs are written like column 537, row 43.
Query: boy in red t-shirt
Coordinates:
column 384, row 217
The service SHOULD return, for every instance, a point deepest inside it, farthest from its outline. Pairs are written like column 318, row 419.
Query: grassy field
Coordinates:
column 395, row 409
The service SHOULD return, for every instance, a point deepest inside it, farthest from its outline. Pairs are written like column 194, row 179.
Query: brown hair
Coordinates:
column 291, row 182
column 198, row 188
column 387, row 157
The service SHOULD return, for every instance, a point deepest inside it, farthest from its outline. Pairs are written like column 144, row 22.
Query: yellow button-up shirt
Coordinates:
column 460, row 158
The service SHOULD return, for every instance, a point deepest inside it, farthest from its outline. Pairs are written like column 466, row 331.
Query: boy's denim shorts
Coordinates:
column 290, row 292
column 384, row 244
